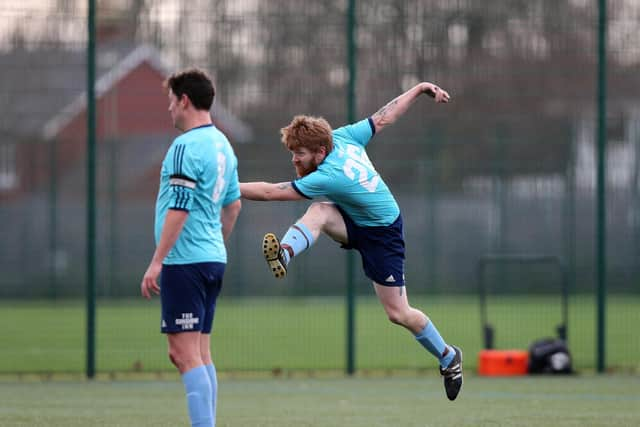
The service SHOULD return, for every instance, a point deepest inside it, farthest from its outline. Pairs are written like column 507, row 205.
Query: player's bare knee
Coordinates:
column 394, row 319
column 173, row 359
column 397, row 317
column 321, row 212
column 317, row 210
column 182, row 361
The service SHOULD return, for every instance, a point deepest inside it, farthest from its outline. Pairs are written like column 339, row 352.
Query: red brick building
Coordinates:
column 45, row 138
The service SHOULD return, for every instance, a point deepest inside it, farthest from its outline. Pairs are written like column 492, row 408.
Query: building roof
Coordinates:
column 43, row 90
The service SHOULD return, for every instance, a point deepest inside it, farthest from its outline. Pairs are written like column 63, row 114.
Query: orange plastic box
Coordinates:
column 503, row 362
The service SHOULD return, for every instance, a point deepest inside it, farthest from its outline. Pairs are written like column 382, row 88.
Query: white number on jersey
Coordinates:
column 220, row 182
column 360, row 163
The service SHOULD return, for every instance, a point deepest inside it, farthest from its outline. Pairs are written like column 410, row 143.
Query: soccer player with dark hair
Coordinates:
column 197, row 207
column 362, row 214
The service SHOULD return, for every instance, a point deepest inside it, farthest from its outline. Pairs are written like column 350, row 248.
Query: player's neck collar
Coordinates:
column 199, row 127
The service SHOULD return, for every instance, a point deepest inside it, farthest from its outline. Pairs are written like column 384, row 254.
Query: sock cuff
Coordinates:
column 425, row 331
column 211, row 369
column 194, row 372
column 305, row 231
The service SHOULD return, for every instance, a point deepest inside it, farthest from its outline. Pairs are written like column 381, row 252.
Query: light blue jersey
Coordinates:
column 199, row 175
column 347, row 178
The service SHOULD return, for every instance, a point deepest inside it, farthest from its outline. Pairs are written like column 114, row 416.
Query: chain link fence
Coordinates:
column 508, row 167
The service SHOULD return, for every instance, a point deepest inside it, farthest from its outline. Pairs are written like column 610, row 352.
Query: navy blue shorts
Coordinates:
column 381, row 248
column 188, row 293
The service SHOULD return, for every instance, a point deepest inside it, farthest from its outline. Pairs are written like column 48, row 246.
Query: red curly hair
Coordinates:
column 308, row 132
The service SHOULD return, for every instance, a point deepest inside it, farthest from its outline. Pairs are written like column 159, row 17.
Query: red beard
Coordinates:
column 304, row 171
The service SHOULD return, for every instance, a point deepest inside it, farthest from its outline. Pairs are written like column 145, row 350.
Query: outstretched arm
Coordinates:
column 389, row 113
column 265, row 191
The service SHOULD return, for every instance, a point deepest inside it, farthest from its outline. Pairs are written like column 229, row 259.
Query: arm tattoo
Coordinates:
column 384, row 110
column 284, row 185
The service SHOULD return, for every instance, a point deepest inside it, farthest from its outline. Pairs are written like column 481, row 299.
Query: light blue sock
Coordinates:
column 198, row 389
column 430, row 339
column 299, row 238
column 213, row 379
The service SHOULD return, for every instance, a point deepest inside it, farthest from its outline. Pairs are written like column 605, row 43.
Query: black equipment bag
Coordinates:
column 549, row 356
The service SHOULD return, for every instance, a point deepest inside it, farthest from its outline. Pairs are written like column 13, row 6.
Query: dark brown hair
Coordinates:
column 194, row 83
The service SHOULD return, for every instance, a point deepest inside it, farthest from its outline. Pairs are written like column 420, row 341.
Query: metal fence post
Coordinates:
column 601, row 157
column 91, row 189
column 351, row 114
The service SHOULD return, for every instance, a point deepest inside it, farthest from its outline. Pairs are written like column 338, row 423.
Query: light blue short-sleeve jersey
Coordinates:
column 347, row 178
column 199, row 175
